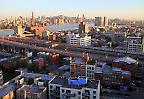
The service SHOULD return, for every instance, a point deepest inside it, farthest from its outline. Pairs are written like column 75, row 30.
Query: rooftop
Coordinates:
column 42, row 76
column 91, row 62
column 78, row 61
column 108, row 70
column 126, row 59
column 31, row 89
column 9, row 88
column 98, row 70
column 64, row 82
column 133, row 37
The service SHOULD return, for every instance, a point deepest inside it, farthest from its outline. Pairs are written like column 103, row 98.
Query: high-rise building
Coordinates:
column 82, row 18
column 19, row 30
column 87, row 28
column 105, row 21
column 101, row 21
column 97, row 21
column 42, row 21
column 81, row 28
column 32, row 20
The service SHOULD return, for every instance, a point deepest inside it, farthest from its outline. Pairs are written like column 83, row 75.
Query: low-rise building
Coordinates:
column 125, row 63
column 26, row 86
column 31, row 92
column 75, row 39
column 112, row 75
column 134, row 44
column 78, row 67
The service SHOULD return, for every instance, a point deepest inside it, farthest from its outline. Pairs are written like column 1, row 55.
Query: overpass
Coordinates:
column 26, row 44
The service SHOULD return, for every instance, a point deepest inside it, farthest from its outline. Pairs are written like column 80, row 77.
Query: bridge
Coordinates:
column 15, row 44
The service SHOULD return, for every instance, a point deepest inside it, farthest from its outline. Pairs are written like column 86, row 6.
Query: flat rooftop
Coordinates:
column 42, row 76
column 128, row 60
column 31, row 89
column 64, row 82
column 78, row 61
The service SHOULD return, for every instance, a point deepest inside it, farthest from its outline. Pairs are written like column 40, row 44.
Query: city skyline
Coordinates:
column 124, row 9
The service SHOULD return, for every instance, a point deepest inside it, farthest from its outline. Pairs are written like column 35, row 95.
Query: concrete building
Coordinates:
column 74, row 88
column 75, row 39
column 19, row 31
column 105, row 21
column 101, row 21
column 85, row 41
column 87, row 28
column 112, row 76
column 31, row 92
column 83, row 67
column 26, row 86
column 125, row 63
column 90, row 69
column 81, row 28
column 78, row 67
column 135, row 44
column 72, row 39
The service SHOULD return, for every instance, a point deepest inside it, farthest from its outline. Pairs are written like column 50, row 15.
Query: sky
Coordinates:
column 124, row 9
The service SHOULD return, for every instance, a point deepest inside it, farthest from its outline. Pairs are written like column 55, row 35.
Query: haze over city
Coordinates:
column 124, row 9
column 72, row 49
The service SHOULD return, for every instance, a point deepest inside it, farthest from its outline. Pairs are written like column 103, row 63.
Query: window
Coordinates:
column 63, row 91
column 79, row 93
column 51, row 87
column 94, row 92
column 92, row 68
column 94, row 97
column 68, row 91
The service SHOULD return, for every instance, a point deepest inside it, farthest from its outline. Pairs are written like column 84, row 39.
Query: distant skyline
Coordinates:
column 124, row 9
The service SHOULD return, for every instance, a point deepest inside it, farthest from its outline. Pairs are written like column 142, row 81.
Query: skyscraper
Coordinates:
column 81, row 28
column 101, row 21
column 32, row 20
column 42, row 21
column 105, row 21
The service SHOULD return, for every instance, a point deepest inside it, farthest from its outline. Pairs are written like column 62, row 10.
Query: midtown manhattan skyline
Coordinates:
column 124, row 9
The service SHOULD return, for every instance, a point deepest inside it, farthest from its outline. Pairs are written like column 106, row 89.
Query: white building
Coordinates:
column 135, row 44
column 75, row 39
column 72, row 39
column 90, row 69
column 85, row 41
column 78, row 88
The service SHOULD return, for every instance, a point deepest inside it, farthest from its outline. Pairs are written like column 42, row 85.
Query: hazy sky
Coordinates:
column 128, row 9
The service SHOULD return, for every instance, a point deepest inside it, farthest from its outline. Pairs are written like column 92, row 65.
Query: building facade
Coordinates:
column 134, row 44
column 78, row 67
column 74, row 88
column 75, row 39
column 101, row 21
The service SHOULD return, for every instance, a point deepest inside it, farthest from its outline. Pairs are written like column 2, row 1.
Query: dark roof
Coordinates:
column 64, row 82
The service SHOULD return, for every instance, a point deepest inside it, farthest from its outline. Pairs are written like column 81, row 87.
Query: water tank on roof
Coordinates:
column 79, row 81
column 82, row 81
